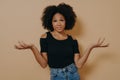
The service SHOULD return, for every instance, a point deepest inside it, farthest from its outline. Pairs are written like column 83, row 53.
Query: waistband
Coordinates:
column 70, row 68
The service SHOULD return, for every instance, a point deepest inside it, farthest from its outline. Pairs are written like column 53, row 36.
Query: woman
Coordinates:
column 58, row 49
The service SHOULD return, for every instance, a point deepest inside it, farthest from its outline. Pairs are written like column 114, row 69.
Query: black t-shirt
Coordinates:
column 60, row 53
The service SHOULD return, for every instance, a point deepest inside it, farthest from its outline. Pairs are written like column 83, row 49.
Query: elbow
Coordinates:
column 79, row 66
column 43, row 66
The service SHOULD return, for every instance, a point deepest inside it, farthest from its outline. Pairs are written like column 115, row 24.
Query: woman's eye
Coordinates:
column 61, row 20
column 58, row 20
column 54, row 20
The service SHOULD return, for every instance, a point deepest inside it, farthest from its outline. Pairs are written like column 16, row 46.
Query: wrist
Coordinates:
column 32, row 46
column 91, row 47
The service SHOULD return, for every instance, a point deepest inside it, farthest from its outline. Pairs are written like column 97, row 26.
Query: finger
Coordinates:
column 25, row 45
column 106, row 45
column 17, row 47
column 101, row 42
column 21, row 44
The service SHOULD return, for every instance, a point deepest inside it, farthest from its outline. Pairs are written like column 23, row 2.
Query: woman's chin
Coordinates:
column 59, row 30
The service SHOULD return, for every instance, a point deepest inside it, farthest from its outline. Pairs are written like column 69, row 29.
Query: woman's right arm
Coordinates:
column 41, row 58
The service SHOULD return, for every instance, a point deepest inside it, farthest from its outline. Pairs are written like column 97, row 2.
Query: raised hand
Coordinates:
column 100, row 43
column 22, row 45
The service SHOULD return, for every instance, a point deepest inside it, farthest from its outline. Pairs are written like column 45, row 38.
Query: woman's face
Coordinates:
column 58, row 22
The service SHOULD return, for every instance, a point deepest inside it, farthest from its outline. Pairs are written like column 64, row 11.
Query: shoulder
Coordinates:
column 44, row 35
column 73, row 37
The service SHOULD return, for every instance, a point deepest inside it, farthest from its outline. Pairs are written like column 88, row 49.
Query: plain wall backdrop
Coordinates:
column 20, row 21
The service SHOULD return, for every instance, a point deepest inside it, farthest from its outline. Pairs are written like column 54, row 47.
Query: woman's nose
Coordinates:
column 58, row 23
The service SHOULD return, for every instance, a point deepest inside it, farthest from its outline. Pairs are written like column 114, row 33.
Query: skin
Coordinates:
column 58, row 33
column 58, row 23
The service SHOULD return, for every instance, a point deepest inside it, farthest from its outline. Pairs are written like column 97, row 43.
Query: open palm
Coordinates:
column 100, row 43
column 23, row 45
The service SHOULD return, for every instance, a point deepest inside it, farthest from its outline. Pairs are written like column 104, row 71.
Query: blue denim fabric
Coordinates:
column 68, row 73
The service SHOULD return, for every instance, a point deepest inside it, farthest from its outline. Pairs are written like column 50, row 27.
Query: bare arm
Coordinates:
column 80, row 60
column 41, row 58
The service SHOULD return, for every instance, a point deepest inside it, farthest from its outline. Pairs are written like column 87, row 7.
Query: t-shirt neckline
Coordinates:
column 58, row 39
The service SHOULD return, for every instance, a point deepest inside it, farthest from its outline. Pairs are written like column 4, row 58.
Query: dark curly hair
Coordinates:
column 64, row 9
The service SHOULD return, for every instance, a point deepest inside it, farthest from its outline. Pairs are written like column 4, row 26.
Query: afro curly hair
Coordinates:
column 64, row 9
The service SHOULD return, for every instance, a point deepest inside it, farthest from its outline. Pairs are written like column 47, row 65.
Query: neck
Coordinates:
column 59, row 33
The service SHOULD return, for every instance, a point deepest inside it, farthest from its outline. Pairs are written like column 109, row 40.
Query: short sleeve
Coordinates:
column 75, row 46
column 43, row 44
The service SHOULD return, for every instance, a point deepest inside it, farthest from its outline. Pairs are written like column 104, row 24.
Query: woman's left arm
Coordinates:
column 80, row 60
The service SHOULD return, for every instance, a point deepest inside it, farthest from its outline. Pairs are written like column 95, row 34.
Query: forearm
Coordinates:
column 39, row 58
column 82, row 60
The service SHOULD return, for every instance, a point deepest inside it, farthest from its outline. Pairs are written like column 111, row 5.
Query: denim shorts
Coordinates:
column 69, row 72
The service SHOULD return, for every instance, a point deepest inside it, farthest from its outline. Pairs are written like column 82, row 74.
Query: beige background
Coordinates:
column 20, row 20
